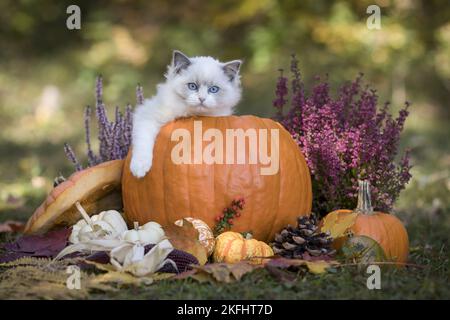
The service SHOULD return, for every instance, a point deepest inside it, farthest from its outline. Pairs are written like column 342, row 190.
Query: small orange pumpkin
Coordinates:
column 232, row 247
column 384, row 228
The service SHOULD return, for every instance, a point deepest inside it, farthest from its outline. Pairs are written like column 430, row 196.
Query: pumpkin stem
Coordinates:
column 364, row 202
column 136, row 225
column 83, row 213
column 247, row 236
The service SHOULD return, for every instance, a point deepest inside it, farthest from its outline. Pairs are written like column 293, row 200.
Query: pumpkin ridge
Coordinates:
column 387, row 237
column 188, row 174
column 228, row 170
column 251, row 203
column 277, row 185
column 228, row 247
column 164, row 172
column 214, row 167
column 391, row 230
column 244, row 249
column 218, row 196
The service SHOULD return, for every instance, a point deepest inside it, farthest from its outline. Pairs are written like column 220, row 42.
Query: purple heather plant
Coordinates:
column 344, row 139
column 114, row 136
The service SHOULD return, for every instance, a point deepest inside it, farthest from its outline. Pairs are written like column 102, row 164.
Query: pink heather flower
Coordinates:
column 280, row 93
column 345, row 138
column 71, row 156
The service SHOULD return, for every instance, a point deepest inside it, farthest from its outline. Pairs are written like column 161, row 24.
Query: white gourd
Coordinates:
column 108, row 224
column 149, row 233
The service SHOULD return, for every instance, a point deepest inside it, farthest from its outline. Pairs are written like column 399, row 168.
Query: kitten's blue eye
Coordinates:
column 192, row 86
column 213, row 89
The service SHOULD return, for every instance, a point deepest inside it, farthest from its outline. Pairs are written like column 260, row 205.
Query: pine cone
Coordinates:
column 306, row 238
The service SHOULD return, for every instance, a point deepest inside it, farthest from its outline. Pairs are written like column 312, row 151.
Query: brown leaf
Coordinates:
column 12, row 226
column 280, row 274
column 47, row 245
column 317, row 266
column 219, row 272
column 186, row 238
column 323, row 257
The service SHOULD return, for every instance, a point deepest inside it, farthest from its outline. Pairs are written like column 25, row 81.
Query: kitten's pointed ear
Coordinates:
column 180, row 61
column 231, row 68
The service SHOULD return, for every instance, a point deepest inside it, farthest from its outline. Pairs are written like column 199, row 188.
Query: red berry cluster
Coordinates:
column 225, row 219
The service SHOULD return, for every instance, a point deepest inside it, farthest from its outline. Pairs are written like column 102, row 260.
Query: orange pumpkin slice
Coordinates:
column 96, row 188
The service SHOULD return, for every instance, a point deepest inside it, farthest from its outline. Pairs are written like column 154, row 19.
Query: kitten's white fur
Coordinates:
column 174, row 99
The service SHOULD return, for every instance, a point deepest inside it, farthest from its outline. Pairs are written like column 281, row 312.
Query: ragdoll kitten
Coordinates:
column 194, row 86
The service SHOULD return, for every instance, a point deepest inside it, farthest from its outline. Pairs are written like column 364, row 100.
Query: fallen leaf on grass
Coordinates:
column 316, row 267
column 280, row 274
column 48, row 245
column 111, row 275
column 12, row 226
column 323, row 257
column 186, row 238
column 219, row 272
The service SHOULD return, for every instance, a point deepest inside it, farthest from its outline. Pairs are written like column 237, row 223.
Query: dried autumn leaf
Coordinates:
column 316, row 267
column 12, row 226
column 186, row 238
column 48, row 245
column 337, row 223
column 280, row 274
column 121, row 278
column 124, row 278
column 220, row 272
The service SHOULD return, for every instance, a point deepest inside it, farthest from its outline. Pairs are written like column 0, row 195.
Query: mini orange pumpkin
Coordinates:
column 232, row 247
column 384, row 228
column 171, row 191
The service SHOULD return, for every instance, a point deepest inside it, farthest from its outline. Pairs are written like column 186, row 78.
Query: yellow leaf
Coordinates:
column 314, row 266
column 337, row 223
column 317, row 267
column 121, row 278
column 222, row 272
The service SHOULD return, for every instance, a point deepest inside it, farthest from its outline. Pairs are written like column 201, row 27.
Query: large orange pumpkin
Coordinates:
column 173, row 191
column 384, row 228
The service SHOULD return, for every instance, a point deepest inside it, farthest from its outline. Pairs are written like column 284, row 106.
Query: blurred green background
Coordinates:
column 47, row 73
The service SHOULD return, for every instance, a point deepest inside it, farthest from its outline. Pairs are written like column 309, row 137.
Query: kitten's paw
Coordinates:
column 139, row 166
